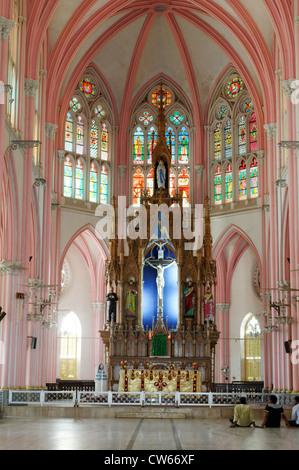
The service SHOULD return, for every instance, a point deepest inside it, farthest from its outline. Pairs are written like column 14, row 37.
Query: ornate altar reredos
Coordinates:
column 161, row 282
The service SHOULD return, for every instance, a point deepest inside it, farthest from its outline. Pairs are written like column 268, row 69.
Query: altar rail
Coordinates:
column 110, row 398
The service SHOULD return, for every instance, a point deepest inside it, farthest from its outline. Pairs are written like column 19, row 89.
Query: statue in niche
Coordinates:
column 111, row 299
column 131, row 294
column 208, row 305
column 190, row 299
column 161, row 175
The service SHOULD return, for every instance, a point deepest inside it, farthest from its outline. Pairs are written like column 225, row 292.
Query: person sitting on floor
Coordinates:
column 273, row 414
column 295, row 414
column 243, row 415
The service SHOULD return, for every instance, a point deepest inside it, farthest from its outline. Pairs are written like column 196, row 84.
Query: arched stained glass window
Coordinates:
column 93, row 183
column 152, row 137
column 150, row 183
column 68, row 178
column 242, row 136
column 79, row 180
column 172, row 188
column 80, row 136
column 94, row 140
column 217, row 142
column 183, row 146
column 183, row 186
column 70, row 350
column 252, row 350
column 69, row 133
column 139, row 146
column 104, row 185
column 104, row 142
column 166, row 97
column 242, row 181
column 138, row 186
column 218, row 186
column 229, row 183
column 170, row 140
column 254, row 179
column 228, row 139
column 253, row 133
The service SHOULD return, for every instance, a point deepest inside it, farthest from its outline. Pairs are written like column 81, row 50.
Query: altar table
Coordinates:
column 136, row 380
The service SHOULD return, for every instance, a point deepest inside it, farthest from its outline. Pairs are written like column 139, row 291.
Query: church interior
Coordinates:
column 149, row 216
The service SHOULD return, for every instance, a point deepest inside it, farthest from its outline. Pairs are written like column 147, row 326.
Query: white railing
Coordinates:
column 111, row 398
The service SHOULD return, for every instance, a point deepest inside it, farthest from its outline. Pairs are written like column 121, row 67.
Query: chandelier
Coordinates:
column 42, row 310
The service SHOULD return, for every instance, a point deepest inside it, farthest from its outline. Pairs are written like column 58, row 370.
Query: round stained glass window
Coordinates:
column 146, row 118
column 88, row 88
column 99, row 111
column 177, row 118
column 247, row 105
column 235, row 87
column 75, row 105
column 223, row 112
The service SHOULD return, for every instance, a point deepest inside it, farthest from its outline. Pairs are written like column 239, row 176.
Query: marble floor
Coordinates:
column 115, row 434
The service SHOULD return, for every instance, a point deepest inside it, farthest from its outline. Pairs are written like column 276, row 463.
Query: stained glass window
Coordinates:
column 79, row 181
column 99, row 111
column 172, row 188
column 218, row 186
column 150, row 183
column 80, row 136
column 166, row 98
column 146, row 118
column 242, row 181
column 229, row 183
column 242, row 136
column 68, row 178
column 183, row 186
column 223, row 112
column 88, row 88
column 93, row 183
column 183, row 146
column 104, row 185
column 254, row 179
column 94, row 140
column 152, row 137
column 138, row 186
column 104, row 143
column 75, row 105
column 247, row 105
column 253, row 133
column 217, row 142
column 138, row 146
column 235, row 87
column 228, row 139
column 176, row 118
column 170, row 140
column 69, row 132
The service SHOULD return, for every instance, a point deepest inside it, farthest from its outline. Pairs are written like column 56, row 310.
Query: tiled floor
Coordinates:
column 139, row 434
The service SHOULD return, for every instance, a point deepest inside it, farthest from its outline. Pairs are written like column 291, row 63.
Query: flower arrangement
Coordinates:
column 195, row 365
column 124, row 365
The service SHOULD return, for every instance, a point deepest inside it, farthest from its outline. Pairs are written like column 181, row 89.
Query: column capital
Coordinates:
column 50, row 130
column 5, row 28
column 221, row 307
column 288, row 87
column 199, row 170
column 122, row 170
column 271, row 130
column 31, row 87
column 61, row 155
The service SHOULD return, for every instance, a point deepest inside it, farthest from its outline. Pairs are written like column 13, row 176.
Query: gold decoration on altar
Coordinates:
column 184, row 381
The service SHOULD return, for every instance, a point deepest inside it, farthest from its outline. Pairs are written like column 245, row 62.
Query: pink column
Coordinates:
column 5, row 28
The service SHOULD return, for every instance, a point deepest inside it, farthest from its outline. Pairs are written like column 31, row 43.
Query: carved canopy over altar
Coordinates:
column 188, row 381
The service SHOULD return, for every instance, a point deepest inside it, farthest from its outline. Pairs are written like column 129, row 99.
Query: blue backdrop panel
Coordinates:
column 170, row 297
